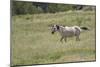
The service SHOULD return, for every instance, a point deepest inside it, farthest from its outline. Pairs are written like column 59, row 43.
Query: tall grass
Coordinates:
column 33, row 43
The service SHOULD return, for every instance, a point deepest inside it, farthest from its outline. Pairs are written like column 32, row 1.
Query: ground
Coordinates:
column 33, row 43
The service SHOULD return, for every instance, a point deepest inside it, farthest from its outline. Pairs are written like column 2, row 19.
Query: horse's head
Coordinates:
column 54, row 28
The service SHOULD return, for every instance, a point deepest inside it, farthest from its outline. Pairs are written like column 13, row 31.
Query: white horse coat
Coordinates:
column 67, row 31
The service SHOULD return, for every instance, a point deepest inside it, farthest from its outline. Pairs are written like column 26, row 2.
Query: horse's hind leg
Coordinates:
column 77, row 38
column 77, row 34
column 61, row 39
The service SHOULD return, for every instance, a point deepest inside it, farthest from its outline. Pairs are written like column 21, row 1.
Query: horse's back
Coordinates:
column 71, row 31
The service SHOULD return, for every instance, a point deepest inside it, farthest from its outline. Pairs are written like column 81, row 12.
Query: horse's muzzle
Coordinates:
column 52, row 32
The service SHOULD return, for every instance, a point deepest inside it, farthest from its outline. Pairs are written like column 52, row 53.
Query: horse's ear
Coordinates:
column 57, row 27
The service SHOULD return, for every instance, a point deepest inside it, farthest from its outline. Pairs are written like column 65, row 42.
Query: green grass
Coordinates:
column 33, row 43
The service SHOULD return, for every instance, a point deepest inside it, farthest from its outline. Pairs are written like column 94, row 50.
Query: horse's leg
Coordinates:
column 65, row 39
column 77, row 38
column 61, row 39
column 77, row 35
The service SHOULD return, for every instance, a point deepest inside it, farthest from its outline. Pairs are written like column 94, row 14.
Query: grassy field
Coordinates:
column 33, row 43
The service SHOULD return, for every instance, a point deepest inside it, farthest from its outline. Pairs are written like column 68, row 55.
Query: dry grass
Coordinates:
column 33, row 43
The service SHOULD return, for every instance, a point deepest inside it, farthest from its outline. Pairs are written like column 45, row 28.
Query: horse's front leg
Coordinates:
column 61, row 39
column 65, row 38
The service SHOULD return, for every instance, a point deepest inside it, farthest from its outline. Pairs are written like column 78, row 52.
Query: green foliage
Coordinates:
column 59, row 7
column 52, row 8
column 24, row 8
column 64, row 7
column 20, row 7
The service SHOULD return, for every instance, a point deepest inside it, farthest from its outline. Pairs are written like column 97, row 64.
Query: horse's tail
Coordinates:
column 84, row 28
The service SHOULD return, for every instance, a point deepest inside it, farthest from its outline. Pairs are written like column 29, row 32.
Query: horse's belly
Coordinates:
column 69, row 33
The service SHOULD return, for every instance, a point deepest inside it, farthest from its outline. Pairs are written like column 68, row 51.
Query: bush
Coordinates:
column 19, row 7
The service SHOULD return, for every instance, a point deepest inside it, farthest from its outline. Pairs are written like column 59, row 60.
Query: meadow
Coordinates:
column 33, row 43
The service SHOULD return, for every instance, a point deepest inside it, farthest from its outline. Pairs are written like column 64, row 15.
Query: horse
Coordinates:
column 66, row 31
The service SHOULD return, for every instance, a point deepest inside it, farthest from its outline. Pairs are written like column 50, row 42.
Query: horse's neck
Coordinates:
column 61, row 29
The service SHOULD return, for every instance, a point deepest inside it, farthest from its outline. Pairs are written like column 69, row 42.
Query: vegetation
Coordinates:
column 31, row 38
column 33, row 43
column 19, row 7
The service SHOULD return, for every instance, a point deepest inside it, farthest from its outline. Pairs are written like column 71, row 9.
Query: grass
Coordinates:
column 33, row 43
